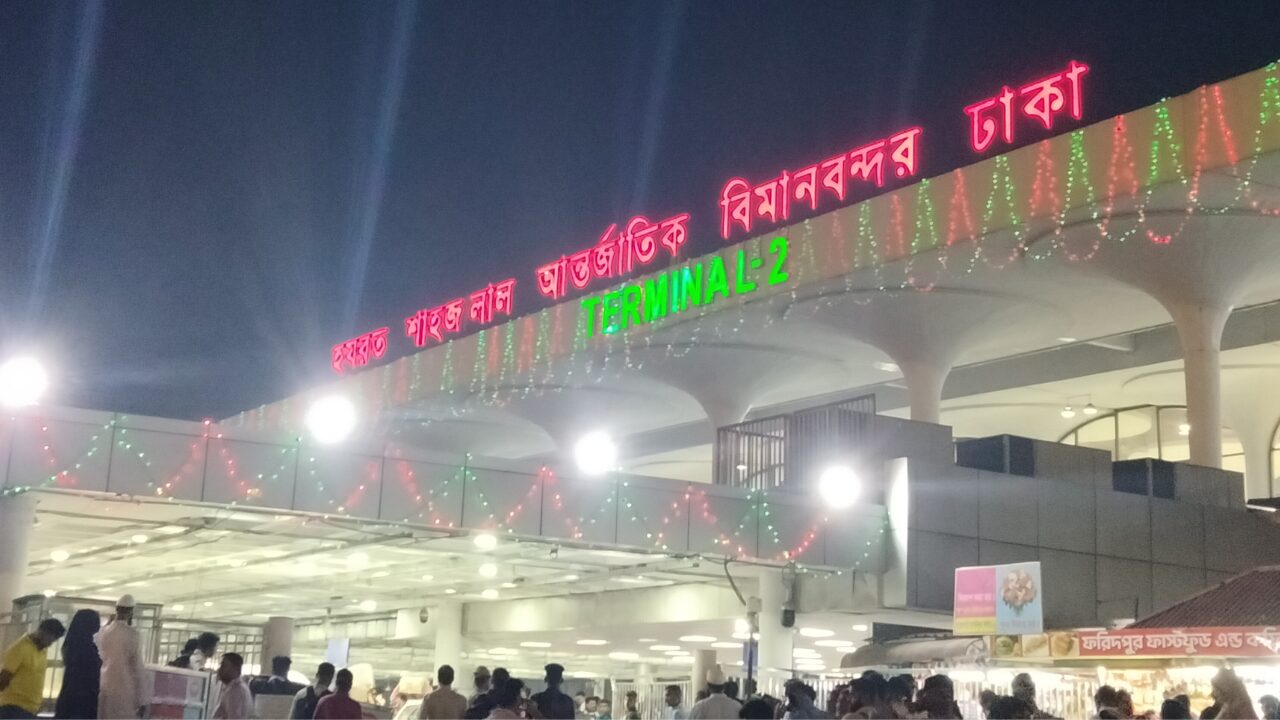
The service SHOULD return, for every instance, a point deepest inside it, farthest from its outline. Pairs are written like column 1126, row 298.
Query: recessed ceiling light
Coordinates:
column 368, row 605
column 726, row 645
column 676, row 653
column 697, row 639
column 508, row 585
column 1090, row 409
column 570, row 578
column 1067, row 412
column 647, row 640
column 833, row 643
column 428, row 578
column 801, row 652
column 178, row 608
column 380, row 574
column 208, row 603
column 139, row 538
column 357, row 561
column 624, row 656
column 811, row 632
column 449, row 591
column 171, row 530
column 888, row 367
column 489, row 594
column 50, row 593
column 488, row 570
column 59, row 556
column 860, row 627
column 534, row 644
column 593, row 642
column 662, row 648
column 503, row 651
column 485, row 541
column 1065, row 339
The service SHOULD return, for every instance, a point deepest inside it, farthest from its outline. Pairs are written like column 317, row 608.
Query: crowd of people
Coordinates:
column 103, row 678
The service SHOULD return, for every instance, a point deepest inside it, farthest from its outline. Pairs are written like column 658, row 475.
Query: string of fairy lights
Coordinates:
column 616, row 510
column 904, row 241
column 921, row 233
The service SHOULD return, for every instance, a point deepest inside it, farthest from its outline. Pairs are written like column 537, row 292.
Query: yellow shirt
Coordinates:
column 26, row 663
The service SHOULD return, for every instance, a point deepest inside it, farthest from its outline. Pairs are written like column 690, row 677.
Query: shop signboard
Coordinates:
column 1217, row 642
column 998, row 600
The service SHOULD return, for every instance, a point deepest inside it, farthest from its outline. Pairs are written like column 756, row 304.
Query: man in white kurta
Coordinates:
column 119, row 644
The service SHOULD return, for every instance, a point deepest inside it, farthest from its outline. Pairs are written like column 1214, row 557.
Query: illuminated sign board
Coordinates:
column 744, row 206
column 681, row 288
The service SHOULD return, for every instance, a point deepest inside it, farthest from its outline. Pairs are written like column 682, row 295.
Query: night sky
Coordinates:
column 198, row 198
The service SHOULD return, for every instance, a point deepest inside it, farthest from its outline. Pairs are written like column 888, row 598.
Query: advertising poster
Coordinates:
column 998, row 600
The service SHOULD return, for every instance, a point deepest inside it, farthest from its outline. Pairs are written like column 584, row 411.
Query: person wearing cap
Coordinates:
column 444, row 703
column 22, row 671
column 717, row 705
column 552, row 703
column 121, row 694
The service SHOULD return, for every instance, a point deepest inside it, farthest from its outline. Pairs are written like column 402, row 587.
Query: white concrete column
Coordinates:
column 17, row 518
column 703, row 660
column 776, row 642
column 1199, row 328
column 924, row 380
column 1252, row 412
column 447, row 617
column 277, row 639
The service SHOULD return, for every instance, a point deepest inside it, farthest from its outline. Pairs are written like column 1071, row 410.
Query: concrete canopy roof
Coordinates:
column 1101, row 232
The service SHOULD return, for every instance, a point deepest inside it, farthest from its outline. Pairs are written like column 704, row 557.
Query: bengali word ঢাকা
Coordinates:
column 741, row 203
column 673, row 291
column 485, row 303
column 1041, row 101
column 358, row 351
column 614, row 254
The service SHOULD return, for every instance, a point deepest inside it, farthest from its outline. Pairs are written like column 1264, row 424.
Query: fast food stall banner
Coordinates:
column 998, row 600
column 1175, row 642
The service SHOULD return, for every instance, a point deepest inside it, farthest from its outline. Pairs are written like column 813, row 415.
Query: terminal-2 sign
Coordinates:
column 745, row 206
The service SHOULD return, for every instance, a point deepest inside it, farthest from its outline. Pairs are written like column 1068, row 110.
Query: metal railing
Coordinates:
column 786, row 451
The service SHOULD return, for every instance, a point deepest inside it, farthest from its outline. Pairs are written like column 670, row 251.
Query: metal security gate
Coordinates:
column 787, row 451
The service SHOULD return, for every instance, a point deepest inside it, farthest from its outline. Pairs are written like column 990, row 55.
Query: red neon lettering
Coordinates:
column 982, row 127
column 675, row 233
column 902, row 151
column 806, row 184
column 774, row 202
column 867, row 162
column 551, row 278
column 1040, row 100
column 833, row 175
column 735, row 206
column 644, row 239
column 358, row 351
column 741, row 202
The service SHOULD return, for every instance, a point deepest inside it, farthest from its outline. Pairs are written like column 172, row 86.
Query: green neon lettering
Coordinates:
column 691, row 285
column 741, row 283
column 778, row 275
column 631, row 300
column 656, row 296
column 609, row 312
column 717, row 283
column 589, row 314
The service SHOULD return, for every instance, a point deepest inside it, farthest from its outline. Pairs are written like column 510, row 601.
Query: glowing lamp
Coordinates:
column 331, row 419
column 839, row 486
column 23, row 381
column 596, row 453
